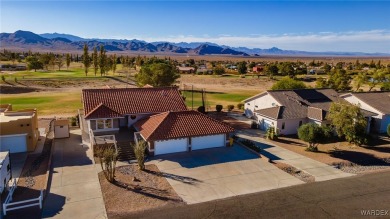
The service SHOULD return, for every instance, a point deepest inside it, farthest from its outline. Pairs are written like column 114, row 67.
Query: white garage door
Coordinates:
column 61, row 131
column 265, row 124
column 13, row 143
column 209, row 141
column 170, row 146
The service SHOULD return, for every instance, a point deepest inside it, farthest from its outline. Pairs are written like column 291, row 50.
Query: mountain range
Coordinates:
column 22, row 40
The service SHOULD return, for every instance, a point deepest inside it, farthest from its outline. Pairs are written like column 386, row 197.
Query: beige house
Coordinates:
column 18, row 129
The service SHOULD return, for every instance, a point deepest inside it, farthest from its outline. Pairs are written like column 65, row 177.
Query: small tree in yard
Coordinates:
column 271, row 134
column 230, row 107
column 312, row 134
column 218, row 108
column 349, row 122
column 139, row 150
column 107, row 156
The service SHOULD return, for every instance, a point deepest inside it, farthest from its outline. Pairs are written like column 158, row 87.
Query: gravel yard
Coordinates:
column 136, row 191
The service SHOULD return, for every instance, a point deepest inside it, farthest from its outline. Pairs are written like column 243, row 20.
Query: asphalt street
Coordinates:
column 350, row 197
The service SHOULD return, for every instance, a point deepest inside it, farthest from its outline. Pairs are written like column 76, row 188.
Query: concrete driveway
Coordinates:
column 210, row 174
column 74, row 185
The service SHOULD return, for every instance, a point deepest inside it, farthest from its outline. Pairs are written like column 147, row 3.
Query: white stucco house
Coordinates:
column 376, row 102
column 159, row 116
column 287, row 110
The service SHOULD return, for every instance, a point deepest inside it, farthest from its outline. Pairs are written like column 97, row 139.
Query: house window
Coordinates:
column 104, row 124
column 273, row 104
column 108, row 124
column 256, row 106
column 283, row 124
column 100, row 124
column 248, row 103
column 300, row 123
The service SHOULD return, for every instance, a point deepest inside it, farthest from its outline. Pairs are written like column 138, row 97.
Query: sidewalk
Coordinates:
column 75, row 189
column 319, row 170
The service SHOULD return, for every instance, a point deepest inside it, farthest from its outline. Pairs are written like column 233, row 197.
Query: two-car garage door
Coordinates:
column 13, row 143
column 209, row 141
column 181, row 145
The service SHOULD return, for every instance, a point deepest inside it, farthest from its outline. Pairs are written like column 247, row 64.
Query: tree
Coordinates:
column 59, row 62
column 86, row 59
column 287, row 69
column 272, row 70
column 102, row 60
column 45, row 60
column 107, row 156
column 348, row 122
column 114, row 62
column 33, row 63
column 327, row 68
column 321, row 83
column 95, row 59
column 339, row 80
column 287, row 83
column 218, row 70
column 241, row 67
column 311, row 133
column 385, row 86
column 251, row 65
column 139, row 151
column 377, row 76
column 157, row 75
column 360, row 80
column 68, row 60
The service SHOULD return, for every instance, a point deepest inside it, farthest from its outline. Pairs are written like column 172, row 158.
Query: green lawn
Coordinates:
column 46, row 103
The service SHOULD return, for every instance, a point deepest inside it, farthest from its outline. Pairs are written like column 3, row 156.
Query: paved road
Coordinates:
column 205, row 175
column 338, row 198
column 320, row 171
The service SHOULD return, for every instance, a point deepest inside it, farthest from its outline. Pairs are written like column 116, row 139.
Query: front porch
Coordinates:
column 123, row 140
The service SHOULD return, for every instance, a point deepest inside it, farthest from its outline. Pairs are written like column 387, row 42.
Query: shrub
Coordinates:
column 271, row 133
column 16, row 80
column 139, row 150
column 201, row 109
column 254, row 125
column 3, row 78
column 107, row 156
column 73, row 121
column 218, row 108
column 312, row 134
column 240, row 106
column 199, row 73
column 388, row 130
column 250, row 144
column 230, row 107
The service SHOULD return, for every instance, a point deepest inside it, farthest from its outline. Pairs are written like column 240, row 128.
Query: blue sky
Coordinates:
column 300, row 25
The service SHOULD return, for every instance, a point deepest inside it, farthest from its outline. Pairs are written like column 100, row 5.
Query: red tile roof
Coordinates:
column 102, row 111
column 122, row 101
column 170, row 125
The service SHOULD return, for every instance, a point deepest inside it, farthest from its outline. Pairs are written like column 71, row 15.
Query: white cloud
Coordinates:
column 351, row 41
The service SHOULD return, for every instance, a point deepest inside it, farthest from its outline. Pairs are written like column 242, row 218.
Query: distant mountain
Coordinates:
column 70, row 37
column 23, row 40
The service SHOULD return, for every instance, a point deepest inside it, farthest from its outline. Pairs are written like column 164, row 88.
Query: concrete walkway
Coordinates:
column 319, row 170
column 75, row 189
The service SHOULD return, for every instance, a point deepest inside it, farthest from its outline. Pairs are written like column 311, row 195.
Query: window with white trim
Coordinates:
column 104, row 124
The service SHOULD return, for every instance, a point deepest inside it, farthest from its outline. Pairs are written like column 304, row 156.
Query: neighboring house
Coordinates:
column 106, row 110
column 376, row 102
column 186, row 70
column 181, row 131
column 5, row 170
column 18, row 129
column 287, row 110
column 257, row 69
